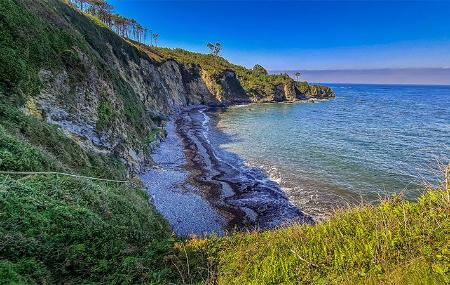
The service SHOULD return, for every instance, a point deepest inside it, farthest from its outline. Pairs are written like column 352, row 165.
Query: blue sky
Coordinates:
column 291, row 35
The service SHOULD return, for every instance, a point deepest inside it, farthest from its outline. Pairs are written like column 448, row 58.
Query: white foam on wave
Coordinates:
column 241, row 169
column 205, row 125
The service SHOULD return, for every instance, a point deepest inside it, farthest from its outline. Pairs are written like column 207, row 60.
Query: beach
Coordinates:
column 200, row 192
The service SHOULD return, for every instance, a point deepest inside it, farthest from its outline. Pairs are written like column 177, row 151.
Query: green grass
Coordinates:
column 396, row 242
column 153, row 135
column 56, row 229
column 29, row 144
column 255, row 84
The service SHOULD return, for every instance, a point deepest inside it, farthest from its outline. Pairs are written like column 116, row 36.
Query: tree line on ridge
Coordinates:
column 123, row 26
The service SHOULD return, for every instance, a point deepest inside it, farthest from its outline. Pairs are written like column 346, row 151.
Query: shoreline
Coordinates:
column 202, row 193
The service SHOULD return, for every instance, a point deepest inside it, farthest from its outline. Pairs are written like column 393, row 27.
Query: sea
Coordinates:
column 368, row 143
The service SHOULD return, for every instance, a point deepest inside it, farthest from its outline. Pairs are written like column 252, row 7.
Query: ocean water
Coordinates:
column 368, row 142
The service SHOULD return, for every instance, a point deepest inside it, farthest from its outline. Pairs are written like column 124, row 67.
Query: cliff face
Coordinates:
column 104, row 92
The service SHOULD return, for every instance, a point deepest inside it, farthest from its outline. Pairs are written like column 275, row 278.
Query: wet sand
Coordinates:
column 199, row 192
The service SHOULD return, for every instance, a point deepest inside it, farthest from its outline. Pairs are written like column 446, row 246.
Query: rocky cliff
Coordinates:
column 107, row 93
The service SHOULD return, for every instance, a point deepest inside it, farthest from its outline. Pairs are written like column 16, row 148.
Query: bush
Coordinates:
column 58, row 229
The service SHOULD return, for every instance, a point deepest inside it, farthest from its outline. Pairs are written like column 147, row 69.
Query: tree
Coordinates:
column 145, row 35
column 215, row 48
column 155, row 38
column 125, row 27
column 102, row 10
column 297, row 75
column 259, row 69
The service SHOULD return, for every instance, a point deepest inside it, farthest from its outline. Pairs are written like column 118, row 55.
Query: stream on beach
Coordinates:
column 265, row 165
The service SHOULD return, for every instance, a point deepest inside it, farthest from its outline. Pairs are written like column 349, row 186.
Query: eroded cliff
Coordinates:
column 107, row 93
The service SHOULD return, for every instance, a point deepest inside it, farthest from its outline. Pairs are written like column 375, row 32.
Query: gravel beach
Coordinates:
column 199, row 193
column 181, row 204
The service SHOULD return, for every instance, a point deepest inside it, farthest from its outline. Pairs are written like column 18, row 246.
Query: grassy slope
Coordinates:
column 67, row 230
column 56, row 229
column 255, row 84
column 396, row 242
column 35, row 35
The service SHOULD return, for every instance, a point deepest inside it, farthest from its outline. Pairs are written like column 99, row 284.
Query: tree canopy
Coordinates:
column 260, row 69
column 125, row 27
column 215, row 48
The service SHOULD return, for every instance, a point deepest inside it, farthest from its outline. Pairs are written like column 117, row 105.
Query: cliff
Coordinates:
column 76, row 98
column 109, row 94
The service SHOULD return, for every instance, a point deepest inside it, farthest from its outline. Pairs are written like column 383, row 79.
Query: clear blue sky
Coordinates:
column 304, row 35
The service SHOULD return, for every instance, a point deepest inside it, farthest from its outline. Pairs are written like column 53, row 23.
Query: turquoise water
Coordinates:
column 370, row 141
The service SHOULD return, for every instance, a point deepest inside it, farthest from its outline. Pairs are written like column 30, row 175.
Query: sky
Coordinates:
column 305, row 35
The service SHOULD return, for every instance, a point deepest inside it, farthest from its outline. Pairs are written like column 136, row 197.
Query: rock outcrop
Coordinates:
column 108, row 94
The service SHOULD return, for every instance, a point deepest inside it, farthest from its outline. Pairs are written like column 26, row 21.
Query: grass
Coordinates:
column 153, row 135
column 29, row 144
column 66, row 230
column 256, row 83
column 76, row 231
column 395, row 242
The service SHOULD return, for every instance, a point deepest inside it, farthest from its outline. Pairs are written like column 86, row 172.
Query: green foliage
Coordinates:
column 313, row 91
column 153, row 135
column 396, row 242
column 28, row 144
column 134, row 110
column 16, row 155
column 106, row 113
column 259, row 69
column 58, row 230
column 255, row 83
column 19, row 62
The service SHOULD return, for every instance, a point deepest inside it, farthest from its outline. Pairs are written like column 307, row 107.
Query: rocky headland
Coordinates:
column 108, row 93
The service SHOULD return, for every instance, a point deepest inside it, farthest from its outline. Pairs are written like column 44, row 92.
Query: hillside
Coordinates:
column 75, row 98
column 396, row 242
column 109, row 94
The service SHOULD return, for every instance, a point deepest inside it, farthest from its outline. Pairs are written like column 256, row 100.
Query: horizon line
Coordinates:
column 364, row 69
column 393, row 84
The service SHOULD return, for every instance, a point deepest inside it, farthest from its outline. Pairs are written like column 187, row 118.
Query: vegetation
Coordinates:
column 395, row 242
column 125, row 27
column 58, row 229
column 28, row 144
column 215, row 48
column 20, row 63
column 67, row 230
column 313, row 91
column 153, row 135
column 155, row 38
column 259, row 69
column 256, row 84
column 106, row 113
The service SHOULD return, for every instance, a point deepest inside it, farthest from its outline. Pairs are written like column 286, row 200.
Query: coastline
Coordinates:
column 199, row 192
